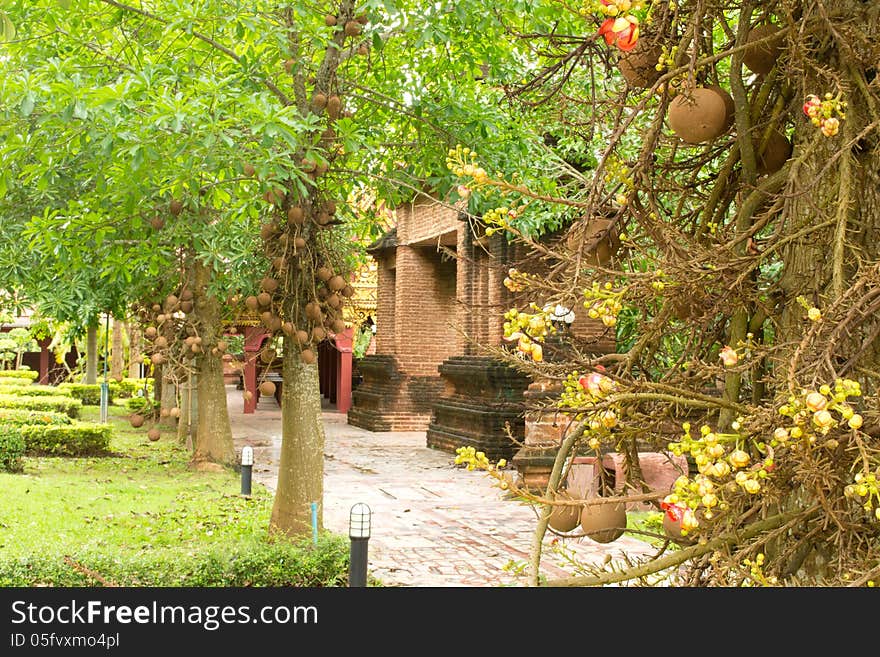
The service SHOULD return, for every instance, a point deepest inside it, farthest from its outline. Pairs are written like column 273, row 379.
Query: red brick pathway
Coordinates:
column 434, row 524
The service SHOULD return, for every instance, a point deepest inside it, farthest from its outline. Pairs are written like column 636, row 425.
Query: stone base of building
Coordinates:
column 388, row 400
column 482, row 399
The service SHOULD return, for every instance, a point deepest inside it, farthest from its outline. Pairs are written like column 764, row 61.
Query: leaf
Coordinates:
column 27, row 105
column 7, row 28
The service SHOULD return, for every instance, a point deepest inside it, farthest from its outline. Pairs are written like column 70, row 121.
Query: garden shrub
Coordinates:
column 248, row 563
column 20, row 374
column 14, row 381
column 20, row 417
column 141, row 405
column 129, row 387
column 88, row 393
column 11, row 449
column 76, row 439
column 65, row 405
column 33, row 391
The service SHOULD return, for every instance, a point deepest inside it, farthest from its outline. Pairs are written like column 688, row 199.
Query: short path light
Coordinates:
column 359, row 533
column 247, row 466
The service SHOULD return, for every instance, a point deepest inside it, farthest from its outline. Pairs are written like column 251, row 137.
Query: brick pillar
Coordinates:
column 344, row 344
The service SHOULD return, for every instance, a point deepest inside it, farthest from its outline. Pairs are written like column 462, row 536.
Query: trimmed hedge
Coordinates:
column 20, row 374
column 19, row 417
column 129, row 387
column 77, row 439
column 13, row 381
column 11, row 449
column 65, row 405
column 252, row 563
column 88, row 393
column 33, row 391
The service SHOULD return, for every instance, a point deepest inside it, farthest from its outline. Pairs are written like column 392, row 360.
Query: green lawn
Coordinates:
column 140, row 517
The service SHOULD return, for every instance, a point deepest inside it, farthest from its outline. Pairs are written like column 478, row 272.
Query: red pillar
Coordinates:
column 44, row 360
column 253, row 338
column 344, row 342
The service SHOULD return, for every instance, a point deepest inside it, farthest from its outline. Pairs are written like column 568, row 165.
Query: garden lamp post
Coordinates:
column 359, row 533
column 247, row 466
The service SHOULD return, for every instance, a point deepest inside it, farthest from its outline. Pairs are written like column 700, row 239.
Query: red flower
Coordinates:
column 623, row 30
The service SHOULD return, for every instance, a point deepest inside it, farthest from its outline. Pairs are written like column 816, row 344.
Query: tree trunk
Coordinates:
column 301, row 472
column 117, row 357
column 92, row 354
column 213, row 436
column 134, row 350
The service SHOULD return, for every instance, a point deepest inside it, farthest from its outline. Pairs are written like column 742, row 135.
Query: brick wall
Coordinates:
column 425, row 310
column 385, row 306
column 423, row 220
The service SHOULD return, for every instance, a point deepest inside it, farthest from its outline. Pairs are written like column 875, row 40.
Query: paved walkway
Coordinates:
column 434, row 523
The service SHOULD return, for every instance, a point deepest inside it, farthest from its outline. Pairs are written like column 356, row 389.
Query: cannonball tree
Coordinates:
column 737, row 171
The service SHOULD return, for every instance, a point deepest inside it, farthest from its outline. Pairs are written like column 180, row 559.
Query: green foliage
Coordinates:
column 22, row 417
column 129, row 387
column 12, row 381
column 88, row 393
column 58, row 404
column 76, row 439
column 142, row 405
column 140, row 517
column 246, row 563
column 30, row 375
column 33, row 391
column 11, row 449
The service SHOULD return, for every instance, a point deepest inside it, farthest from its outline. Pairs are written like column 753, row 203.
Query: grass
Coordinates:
column 140, row 517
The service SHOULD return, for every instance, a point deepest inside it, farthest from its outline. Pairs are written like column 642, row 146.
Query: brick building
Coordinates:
column 441, row 298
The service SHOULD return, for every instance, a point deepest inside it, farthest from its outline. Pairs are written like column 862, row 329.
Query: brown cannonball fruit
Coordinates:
column 287, row 328
column 308, row 356
column 248, row 169
column 323, row 274
column 269, row 284
column 329, row 20
column 264, row 299
column 222, row 346
column 313, row 311
column 338, row 326
column 347, row 291
column 174, row 412
column 318, row 334
column 299, row 243
column 186, row 306
column 267, row 388
column 760, row 59
column 136, row 420
column 295, row 215
column 334, row 106
column 153, row 434
column 353, row 28
column 775, row 154
column 639, row 65
column 186, row 295
column 336, row 283
column 151, row 332
column 175, row 207
column 157, row 222
column 161, row 342
column 698, row 115
column 251, row 302
column 319, row 100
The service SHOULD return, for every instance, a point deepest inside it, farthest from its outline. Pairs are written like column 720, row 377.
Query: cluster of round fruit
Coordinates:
column 462, row 161
column 813, row 413
column 528, row 330
column 821, row 112
column 866, row 486
column 602, row 302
